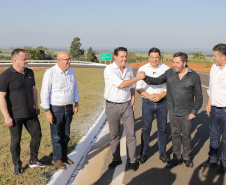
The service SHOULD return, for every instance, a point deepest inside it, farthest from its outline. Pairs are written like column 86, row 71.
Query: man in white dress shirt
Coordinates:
column 120, row 98
column 216, row 108
column 59, row 92
column 153, row 103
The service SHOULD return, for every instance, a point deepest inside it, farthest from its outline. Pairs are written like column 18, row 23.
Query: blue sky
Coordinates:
column 108, row 24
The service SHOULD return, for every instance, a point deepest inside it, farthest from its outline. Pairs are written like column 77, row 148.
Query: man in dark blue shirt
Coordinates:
column 184, row 99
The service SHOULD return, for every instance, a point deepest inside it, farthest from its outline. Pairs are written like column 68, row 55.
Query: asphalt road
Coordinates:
column 94, row 169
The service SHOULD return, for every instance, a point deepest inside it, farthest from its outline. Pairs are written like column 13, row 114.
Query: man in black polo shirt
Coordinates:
column 19, row 106
column 184, row 99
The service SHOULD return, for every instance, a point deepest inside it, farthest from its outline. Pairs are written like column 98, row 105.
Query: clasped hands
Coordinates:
column 141, row 75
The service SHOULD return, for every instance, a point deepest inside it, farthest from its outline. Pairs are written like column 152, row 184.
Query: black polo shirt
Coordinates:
column 19, row 88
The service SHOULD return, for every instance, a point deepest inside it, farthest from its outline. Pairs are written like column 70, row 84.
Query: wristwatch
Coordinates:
column 46, row 110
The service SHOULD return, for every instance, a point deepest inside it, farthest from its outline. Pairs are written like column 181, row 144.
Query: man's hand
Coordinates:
column 49, row 117
column 75, row 109
column 9, row 121
column 141, row 75
column 208, row 107
column 37, row 110
column 155, row 97
column 191, row 116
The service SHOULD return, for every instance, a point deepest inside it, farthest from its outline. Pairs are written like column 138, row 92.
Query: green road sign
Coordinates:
column 105, row 57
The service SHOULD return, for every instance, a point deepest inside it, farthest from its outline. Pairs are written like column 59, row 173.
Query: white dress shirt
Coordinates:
column 113, row 77
column 217, row 86
column 59, row 88
column 152, row 72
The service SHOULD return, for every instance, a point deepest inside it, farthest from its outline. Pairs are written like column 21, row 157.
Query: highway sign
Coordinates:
column 105, row 57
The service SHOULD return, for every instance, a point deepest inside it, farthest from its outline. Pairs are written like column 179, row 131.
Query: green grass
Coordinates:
column 91, row 87
column 5, row 54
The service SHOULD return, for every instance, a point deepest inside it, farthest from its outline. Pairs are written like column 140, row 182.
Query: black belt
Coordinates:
column 116, row 102
column 69, row 105
column 144, row 98
column 219, row 107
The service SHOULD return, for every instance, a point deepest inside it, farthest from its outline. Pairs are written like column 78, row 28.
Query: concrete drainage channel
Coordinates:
column 62, row 177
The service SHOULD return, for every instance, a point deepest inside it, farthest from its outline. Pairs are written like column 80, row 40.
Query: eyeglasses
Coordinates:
column 67, row 59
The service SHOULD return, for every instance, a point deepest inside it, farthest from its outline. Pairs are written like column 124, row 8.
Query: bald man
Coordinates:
column 58, row 94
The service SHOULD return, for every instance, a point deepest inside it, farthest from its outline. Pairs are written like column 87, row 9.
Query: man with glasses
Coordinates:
column 59, row 92
column 19, row 106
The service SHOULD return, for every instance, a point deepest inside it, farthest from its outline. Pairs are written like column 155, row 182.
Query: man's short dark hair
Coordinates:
column 184, row 56
column 17, row 51
column 119, row 49
column 154, row 50
column 221, row 48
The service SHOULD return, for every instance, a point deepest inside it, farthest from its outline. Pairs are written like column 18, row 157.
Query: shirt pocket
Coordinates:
column 223, row 82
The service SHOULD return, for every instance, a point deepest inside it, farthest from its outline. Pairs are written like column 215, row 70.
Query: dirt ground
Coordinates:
column 201, row 67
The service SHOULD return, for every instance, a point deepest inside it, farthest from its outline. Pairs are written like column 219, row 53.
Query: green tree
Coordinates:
column 39, row 53
column 91, row 56
column 75, row 51
column 198, row 54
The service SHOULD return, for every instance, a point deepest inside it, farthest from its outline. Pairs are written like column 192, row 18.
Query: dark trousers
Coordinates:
column 60, row 131
column 149, row 109
column 181, row 133
column 116, row 112
column 33, row 127
column 217, row 128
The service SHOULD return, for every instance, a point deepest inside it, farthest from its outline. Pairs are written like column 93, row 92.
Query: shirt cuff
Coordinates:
column 194, row 112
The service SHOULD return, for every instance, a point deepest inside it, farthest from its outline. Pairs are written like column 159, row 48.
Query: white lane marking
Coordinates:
column 120, row 169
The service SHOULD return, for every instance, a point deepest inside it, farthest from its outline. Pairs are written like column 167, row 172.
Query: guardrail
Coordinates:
column 48, row 61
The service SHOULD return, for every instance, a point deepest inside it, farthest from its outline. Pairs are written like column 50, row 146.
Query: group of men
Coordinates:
column 175, row 90
column 19, row 106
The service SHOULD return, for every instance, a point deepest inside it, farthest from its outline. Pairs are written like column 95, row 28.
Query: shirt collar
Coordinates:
column 13, row 70
column 219, row 66
column 116, row 67
column 60, row 71
column 149, row 65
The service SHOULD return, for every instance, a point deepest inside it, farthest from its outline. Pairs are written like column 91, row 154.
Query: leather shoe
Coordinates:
column 143, row 159
column 188, row 163
column 113, row 164
column 133, row 166
column 60, row 165
column 68, row 161
column 174, row 163
column 164, row 158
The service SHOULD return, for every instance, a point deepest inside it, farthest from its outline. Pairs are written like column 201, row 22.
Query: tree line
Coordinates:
column 44, row 53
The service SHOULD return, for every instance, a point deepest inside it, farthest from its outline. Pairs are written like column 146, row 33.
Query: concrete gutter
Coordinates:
column 61, row 177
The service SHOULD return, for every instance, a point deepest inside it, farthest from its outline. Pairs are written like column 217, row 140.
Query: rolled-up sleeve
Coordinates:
column 111, row 77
